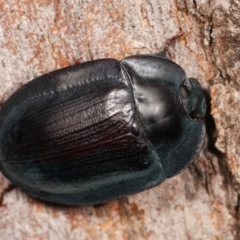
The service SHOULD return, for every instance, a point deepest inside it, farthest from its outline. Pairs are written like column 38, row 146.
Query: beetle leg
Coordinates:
column 165, row 52
column 172, row 40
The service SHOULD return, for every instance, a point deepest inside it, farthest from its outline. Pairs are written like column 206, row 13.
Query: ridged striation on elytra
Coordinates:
column 77, row 130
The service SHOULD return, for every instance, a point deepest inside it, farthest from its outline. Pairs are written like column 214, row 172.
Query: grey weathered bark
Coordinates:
column 39, row 36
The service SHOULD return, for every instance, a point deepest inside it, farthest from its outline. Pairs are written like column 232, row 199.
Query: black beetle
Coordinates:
column 102, row 129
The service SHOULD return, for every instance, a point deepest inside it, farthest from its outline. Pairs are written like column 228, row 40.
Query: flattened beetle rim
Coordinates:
column 198, row 149
column 157, row 57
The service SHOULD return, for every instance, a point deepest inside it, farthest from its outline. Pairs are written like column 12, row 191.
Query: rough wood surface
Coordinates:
column 43, row 35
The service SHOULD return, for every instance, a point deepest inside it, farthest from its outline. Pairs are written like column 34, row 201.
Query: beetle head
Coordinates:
column 193, row 99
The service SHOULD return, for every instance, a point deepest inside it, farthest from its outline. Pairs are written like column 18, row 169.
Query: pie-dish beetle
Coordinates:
column 102, row 129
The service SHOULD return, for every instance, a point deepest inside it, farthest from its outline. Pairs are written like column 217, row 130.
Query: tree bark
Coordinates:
column 202, row 202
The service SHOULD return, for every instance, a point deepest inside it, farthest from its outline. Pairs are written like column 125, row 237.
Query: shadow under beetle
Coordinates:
column 102, row 129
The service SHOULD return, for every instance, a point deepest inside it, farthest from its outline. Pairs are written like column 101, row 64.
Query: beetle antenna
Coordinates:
column 171, row 41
